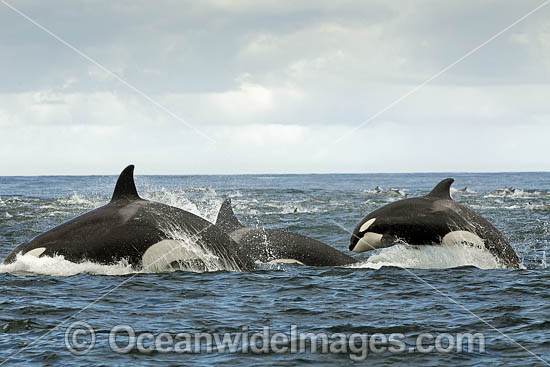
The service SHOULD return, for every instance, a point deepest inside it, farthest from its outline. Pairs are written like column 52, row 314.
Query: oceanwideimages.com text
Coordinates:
column 80, row 338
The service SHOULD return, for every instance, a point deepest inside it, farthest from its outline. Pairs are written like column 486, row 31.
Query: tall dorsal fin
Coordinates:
column 125, row 187
column 227, row 221
column 442, row 190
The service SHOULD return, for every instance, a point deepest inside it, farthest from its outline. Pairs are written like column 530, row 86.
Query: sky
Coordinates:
column 247, row 86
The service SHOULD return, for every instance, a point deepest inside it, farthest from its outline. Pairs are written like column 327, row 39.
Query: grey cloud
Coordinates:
column 188, row 46
column 255, row 69
column 174, row 47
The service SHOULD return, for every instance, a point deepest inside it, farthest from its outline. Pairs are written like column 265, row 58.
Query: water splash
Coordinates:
column 78, row 200
column 431, row 257
column 189, row 252
column 206, row 207
column 513, row 193
column 58, row 266
column 464, row 191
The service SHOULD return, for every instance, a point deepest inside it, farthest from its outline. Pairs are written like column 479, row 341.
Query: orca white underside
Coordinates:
column 462, row 237
column 166, row 252
column 372, row 241
column 431, row 257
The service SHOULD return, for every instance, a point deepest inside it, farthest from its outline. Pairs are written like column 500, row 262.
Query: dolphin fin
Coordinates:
column 125, row 187
column 227, row 221
column 442, row 190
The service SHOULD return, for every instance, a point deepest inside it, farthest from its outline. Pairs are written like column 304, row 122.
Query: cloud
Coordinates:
column 274, row 83
column 42, row 108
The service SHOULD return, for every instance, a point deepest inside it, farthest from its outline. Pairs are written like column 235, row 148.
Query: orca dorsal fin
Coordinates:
column 125, row 187
column 227, row 221
column 442, row 190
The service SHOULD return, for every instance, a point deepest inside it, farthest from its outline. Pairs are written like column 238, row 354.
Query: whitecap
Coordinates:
column 431, row 257
column 58, row 266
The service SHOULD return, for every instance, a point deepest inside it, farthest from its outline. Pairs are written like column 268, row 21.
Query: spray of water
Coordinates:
column 188, row 252
column 431, row 257
column 58, row 266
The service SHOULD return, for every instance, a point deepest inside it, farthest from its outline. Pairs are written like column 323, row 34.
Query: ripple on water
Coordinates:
column 375, row 296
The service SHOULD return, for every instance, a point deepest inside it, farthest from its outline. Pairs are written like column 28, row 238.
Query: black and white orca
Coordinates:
column 146, row 234
column 277, row 246
column 432, row 219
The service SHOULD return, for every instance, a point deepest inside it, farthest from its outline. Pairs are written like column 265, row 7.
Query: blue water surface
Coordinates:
column 399, row 291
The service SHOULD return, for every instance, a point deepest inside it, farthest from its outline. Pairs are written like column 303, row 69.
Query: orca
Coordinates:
column 146, row 234
column 278, row 246
column 430, row 220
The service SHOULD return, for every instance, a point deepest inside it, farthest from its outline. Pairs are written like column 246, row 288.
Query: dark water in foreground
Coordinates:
column 400, row 291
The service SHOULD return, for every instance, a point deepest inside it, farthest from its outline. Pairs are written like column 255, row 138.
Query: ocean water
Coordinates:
column 400, row 291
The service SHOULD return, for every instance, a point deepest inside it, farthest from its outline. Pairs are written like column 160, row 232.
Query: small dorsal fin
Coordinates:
column 442, row 190
column 227, row 221
column 125, row 187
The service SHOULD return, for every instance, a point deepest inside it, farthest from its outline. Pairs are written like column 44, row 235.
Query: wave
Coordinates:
column 76, row 199
column 431, row 257
column 464, row 190
column 542, row 207
column 391, row 191
column 275, row 207
column 58, row 266
column 235, row 194
column 490, row 207
column 290, row 208
column 512, row 193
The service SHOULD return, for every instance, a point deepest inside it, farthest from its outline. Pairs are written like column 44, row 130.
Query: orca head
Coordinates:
column 365, row 238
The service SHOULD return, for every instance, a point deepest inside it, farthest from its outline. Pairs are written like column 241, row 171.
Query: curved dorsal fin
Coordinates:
column 125, row 187
column 227, row 221
column 442, row 190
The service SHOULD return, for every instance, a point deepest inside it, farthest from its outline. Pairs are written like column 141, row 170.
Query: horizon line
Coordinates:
column 281, row 174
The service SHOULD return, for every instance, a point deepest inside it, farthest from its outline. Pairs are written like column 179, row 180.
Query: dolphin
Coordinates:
column 146, row 234
column 277, row 246
column 432, row 219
